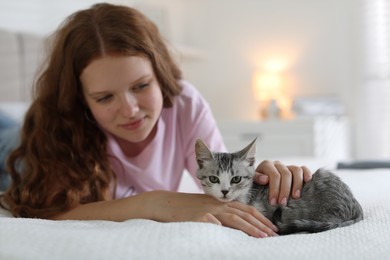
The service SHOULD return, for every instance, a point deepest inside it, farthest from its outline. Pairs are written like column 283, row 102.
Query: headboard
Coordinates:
column 21, row 56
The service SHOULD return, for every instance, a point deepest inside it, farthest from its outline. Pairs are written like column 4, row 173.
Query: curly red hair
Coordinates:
column 62, row 160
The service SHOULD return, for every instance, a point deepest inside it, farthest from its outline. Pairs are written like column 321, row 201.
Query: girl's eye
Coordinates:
column 236, row 179
column 140, row 87
column 213, row 179
column 104, row 99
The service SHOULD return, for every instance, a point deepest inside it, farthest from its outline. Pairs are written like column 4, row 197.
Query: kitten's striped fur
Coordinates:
column 326, row 202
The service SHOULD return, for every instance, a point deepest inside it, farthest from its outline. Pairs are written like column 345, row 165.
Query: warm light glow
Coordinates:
column 267, row 86
column 285, row 104
column 275, row 66
column 269, row 89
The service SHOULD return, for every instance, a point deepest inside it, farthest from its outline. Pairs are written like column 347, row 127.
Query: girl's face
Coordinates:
column 124, row 96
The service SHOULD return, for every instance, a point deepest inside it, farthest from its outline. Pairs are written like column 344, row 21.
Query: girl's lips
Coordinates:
column 133, row 124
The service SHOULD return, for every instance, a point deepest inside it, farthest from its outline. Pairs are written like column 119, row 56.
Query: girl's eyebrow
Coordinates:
column 142, row 78
column 98, row 93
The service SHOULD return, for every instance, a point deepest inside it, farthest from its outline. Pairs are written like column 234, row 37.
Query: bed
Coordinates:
column 145, row 239
column 23, row 238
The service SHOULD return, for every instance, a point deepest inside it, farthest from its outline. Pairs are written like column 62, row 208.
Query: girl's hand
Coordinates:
column 205, row 208
column 242, row 217
column 282, row 180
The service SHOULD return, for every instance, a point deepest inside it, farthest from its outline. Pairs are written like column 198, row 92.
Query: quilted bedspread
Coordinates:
column 145, row 239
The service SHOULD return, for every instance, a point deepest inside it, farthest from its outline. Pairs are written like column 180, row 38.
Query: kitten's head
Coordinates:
column 226, row 176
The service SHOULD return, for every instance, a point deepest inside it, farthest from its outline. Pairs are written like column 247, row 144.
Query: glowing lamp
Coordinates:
column 267, row 88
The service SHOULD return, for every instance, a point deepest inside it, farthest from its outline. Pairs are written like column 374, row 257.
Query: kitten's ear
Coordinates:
column 249, row 152
column 203, row 153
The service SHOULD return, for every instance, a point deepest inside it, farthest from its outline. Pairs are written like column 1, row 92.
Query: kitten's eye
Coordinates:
column 214, row 179
column 236, row 179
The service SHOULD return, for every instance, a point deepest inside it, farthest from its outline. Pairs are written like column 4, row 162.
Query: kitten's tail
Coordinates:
column 310, row 226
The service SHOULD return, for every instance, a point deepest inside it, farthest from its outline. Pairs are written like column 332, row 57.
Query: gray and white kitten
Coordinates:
column 325, row 203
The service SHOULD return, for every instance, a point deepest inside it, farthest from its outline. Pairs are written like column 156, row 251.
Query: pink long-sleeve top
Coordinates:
column 160, row 165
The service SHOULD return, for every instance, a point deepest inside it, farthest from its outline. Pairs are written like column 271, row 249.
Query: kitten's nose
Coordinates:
column 224, row 192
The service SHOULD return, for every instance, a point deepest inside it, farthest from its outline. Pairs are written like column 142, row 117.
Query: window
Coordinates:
column 373, row 133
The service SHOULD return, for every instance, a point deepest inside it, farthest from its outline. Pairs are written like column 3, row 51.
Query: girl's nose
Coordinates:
column 128, row 106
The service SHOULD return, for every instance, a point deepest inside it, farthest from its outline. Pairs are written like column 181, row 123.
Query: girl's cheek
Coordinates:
column 107, row 114
column 100, row 115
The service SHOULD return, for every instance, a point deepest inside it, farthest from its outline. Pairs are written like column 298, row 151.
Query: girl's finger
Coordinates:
column 254, row 217
column 237, row 222
column 297, row 175
column 273, row 174
column 285, row 183
column 261, row 179
column 306, row 174
column 210, row 218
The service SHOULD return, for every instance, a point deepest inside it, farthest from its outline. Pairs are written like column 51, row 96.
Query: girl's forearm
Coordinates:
column 138, row 206
column 162, row 206
column 166, row 206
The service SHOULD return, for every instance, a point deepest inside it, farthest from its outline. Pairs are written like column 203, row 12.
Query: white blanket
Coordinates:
column 145, row 239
